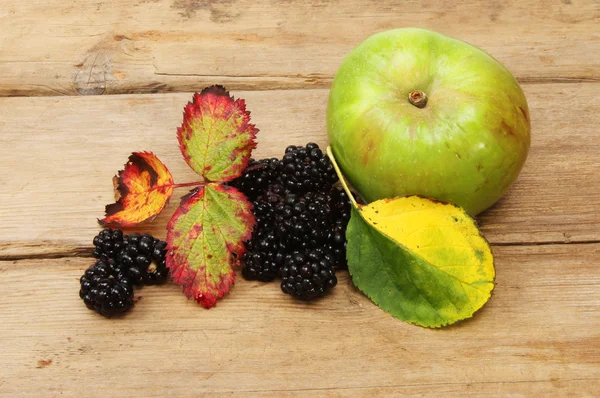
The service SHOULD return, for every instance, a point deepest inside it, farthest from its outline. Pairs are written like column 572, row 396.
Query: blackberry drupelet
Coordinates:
column 306, row 169
column 108, row 243
column 257, row 177
column 144, row 258
column 307, row 275
column 106, row 288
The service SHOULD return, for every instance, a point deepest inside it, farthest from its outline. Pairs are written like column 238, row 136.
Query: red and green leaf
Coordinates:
column 216, row 137
column 142, row 189
column 204, row 241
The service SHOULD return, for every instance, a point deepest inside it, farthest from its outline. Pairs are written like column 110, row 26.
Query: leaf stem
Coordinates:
column 188, row 184
column 341, row 177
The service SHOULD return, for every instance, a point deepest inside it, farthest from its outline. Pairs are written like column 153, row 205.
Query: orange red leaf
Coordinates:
column 142, row 190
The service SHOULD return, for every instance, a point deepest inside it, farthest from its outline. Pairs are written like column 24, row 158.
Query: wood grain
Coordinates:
column 53, row 47
column 61, row 154
column 540, row 333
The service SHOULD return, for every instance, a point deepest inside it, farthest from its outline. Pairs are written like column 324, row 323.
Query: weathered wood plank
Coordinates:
column 540, row 333
column 53, row 47
column 58, row 156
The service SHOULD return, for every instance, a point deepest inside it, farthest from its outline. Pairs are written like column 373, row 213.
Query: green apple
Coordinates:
column 414, row 112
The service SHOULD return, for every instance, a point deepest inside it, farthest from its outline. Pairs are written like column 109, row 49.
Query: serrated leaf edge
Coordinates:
column 220, row 90
column 223, row 286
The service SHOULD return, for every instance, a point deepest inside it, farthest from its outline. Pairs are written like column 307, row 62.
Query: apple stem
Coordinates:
column 341, row 177
column 418, row 99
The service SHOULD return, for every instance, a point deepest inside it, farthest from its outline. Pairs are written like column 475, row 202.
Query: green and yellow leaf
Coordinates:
column 216, row 137
column 423, row 261
column 204, row 241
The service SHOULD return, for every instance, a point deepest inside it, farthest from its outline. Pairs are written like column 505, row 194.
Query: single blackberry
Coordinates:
column 144, row 258
column 106, row 288
column 307, row 275
column 302, row 221
column 108, row 243
column 260, row 249
column 306, row 169
column 260, row 266
column 257, row 177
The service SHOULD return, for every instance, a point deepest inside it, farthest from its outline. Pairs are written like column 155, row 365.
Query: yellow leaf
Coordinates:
column 440, row 233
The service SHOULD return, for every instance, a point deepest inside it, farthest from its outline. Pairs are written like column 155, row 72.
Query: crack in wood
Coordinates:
column 73, row 252
column 558, row 79
column 465, row 383
column 547, row 243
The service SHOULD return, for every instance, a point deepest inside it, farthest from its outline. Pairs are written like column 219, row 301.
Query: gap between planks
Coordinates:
column 245, row 83
column 45, row 250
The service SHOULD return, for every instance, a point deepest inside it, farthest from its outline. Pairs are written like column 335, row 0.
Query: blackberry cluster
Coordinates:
column 123, row 261
column 300, row 215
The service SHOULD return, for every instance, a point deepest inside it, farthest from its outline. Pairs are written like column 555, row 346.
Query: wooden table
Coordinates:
column 84, row 83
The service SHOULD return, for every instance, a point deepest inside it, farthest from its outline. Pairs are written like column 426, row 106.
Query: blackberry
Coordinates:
column 263, row 213
column 302, row 221
column 259, row 258
column 306, row 169
column 144, row 258
column 260, row 266
column 307, row 275
column 336, row 245
column 108, row 243
column 336, row 239
column 257, row 177
column 340, row 205
column 106, row 288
